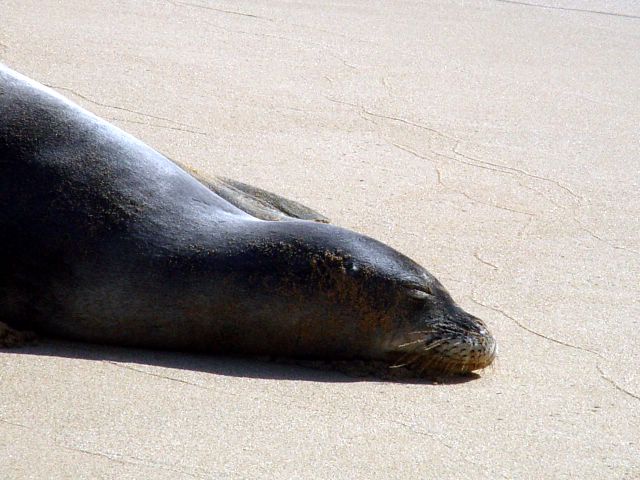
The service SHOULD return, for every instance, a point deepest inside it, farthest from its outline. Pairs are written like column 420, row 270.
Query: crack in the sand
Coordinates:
column 435, row 437
column 118, row 458
column 518, row 170
column 166, row 127
column 471, row 161
column 422, row 157
column 338, row 57
column 261, row 35
column 413, row 429
column 95, row 454
column 268, row 19
column 454, row 190
column 320, row 46
column 366, row 118
column 156, row 375
column 512, row 171
column 488, row 264
column 494, row 205
column 171, row 468
column 494, row 168
column 14, row 424
column 220, row 10
column 127, row 460
column 604, row 240
column 568, row 9
column 615, row 385
column 407, row 122
column 295, row 109
column 390, row 117
column 483, row 164
column 533, row 332
column 115, row 107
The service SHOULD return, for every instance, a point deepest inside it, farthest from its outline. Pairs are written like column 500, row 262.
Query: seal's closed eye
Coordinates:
column 422, row 292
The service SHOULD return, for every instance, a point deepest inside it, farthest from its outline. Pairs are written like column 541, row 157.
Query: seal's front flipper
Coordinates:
column 260, row 203
column 11, row 338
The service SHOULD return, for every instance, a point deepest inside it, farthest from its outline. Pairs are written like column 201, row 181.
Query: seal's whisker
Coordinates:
column 408, row 344
column 433, row 345
column 405, row 360
column 401, row 361
column 416, row 332
column 399, row 365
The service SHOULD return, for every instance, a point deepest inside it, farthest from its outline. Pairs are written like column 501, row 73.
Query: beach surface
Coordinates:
column 497, row 143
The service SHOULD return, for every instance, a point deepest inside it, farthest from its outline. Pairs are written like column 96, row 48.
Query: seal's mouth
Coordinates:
column 447, row 347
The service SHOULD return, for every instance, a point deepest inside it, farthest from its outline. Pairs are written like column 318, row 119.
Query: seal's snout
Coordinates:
column 481, row 346
column 467, row 344
column 454, row 344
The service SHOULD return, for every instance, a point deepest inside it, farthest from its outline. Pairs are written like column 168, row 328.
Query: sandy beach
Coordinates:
column 497, row 143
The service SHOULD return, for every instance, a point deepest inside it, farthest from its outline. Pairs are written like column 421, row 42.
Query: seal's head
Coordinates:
column 424, row 328
column 434, row 334
column 349, row 296
column 406, row 310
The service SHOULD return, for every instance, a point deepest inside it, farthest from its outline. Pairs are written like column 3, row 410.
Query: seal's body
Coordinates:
column 103, row 239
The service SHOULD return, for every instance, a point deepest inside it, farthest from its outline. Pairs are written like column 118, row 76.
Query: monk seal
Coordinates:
column 105, row 240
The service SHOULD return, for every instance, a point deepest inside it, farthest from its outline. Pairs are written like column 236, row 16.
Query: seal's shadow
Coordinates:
column 218, row 365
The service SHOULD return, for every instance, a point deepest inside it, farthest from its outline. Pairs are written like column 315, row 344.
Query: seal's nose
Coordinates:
column 473, row 347
column 486, row 352
column 483, row 345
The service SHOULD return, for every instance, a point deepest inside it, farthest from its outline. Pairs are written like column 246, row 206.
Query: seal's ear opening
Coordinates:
column 260, row 203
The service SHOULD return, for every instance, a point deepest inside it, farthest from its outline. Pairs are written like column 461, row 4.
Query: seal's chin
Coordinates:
column 451, row 350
